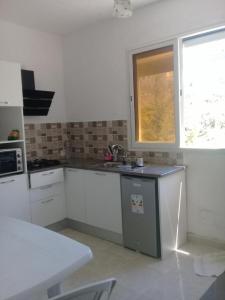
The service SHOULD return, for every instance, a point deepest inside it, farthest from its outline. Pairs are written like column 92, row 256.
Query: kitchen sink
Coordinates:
column 113, row 164
column 110, row 164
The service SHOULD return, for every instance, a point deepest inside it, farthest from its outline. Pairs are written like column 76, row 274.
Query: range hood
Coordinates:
column 36, row 103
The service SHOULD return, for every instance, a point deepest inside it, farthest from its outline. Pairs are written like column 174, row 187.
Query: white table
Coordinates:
column 34, row 260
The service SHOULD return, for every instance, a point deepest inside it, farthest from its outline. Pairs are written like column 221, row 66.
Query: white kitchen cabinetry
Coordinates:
column 48, row 210
column 103, row 200
column 75, row 194
column 11, row 107
column 44, row 178
column 94, row 198
column 14, row 197
column 10, row 84
column 172, row 212
column 47, row 197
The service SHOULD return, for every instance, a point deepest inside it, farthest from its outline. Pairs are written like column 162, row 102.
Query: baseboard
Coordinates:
column 192, row 237
column 58, row 225
column 95, row 231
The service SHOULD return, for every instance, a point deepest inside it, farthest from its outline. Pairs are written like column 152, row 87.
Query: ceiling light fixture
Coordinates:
column 122, row 8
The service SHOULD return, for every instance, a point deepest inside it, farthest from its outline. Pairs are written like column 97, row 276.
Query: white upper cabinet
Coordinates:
column 10, row 84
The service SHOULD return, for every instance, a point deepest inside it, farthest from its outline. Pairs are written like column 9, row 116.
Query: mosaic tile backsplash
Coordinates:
column 46, row 140
column 86, row 140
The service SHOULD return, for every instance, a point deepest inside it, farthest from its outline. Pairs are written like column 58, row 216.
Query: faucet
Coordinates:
column 115, row 151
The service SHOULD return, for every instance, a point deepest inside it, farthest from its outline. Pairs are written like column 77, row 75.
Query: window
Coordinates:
column 203, row 111
column 153, row 90
column 169, row 110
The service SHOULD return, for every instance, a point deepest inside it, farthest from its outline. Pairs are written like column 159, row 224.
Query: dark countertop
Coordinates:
column 216, row 290
column 146, row 171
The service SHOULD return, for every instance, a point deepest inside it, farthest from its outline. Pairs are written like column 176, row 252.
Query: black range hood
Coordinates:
column 35, row 102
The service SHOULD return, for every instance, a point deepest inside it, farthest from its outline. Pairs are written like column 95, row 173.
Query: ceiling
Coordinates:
column 59, row 16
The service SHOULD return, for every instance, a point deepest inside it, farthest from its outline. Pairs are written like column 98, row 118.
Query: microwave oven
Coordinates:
column 11, row 161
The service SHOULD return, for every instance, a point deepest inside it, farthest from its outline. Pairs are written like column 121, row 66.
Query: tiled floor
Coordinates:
column 139, row 276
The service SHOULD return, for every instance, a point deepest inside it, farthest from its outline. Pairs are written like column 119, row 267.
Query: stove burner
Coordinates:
column 41, row 163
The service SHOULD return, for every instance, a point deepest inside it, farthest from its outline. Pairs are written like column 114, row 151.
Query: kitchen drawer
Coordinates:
column 48, row 211
column 46, row 177
column 46, row 191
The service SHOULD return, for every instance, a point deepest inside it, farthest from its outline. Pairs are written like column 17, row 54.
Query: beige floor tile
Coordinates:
column 139, row 276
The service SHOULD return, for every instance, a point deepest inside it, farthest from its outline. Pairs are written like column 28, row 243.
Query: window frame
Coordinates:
column 143, row 146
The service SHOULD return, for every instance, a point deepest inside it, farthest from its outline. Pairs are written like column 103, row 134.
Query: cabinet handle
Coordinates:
column 72, row 170
column 46, row 174
column 100, row 174
column 47, row 201
column 42, row 188
column 4, row 102
column 8, row 181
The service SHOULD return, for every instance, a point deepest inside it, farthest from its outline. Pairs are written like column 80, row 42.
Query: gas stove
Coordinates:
column 41, row 163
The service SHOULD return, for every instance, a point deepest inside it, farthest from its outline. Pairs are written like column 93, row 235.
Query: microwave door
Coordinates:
column 8, row 162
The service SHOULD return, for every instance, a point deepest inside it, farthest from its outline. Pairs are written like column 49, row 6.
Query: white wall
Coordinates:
column 41, row 52
column 96, row 76
column 97, row 88
column 206, row 193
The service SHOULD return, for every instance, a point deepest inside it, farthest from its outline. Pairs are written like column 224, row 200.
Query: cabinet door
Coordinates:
column 14, row 197
column 10, row 84
column 75, row 198
column 103, row 200
column 48, row 210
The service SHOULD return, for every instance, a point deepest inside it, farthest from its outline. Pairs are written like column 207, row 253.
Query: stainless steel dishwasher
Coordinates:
column 140, row 214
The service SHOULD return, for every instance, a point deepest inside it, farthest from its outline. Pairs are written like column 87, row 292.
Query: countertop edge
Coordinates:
column 139, row 171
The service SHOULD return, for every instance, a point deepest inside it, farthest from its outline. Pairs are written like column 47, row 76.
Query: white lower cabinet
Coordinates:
column 103, row 200
column 75, row 194
column 45, row 178
column 94, row 198
column 48, row 210
column 47, row 200
column 172, row 212
column 14, row 197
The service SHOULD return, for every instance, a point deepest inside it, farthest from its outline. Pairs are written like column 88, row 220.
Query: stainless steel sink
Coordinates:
column 111, row 164
column 118, row 165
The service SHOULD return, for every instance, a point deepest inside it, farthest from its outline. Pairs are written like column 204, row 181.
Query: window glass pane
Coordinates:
column 154, row 96
column 204, row 91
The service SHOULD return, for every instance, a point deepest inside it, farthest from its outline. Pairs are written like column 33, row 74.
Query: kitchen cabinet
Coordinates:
column 103, row 200
column 14, row 197
column 172, row 212
column 45, row 178
column 48, row 210
column 10, row 84
column 75, row 194
column 94, row 198
column 47, row 197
